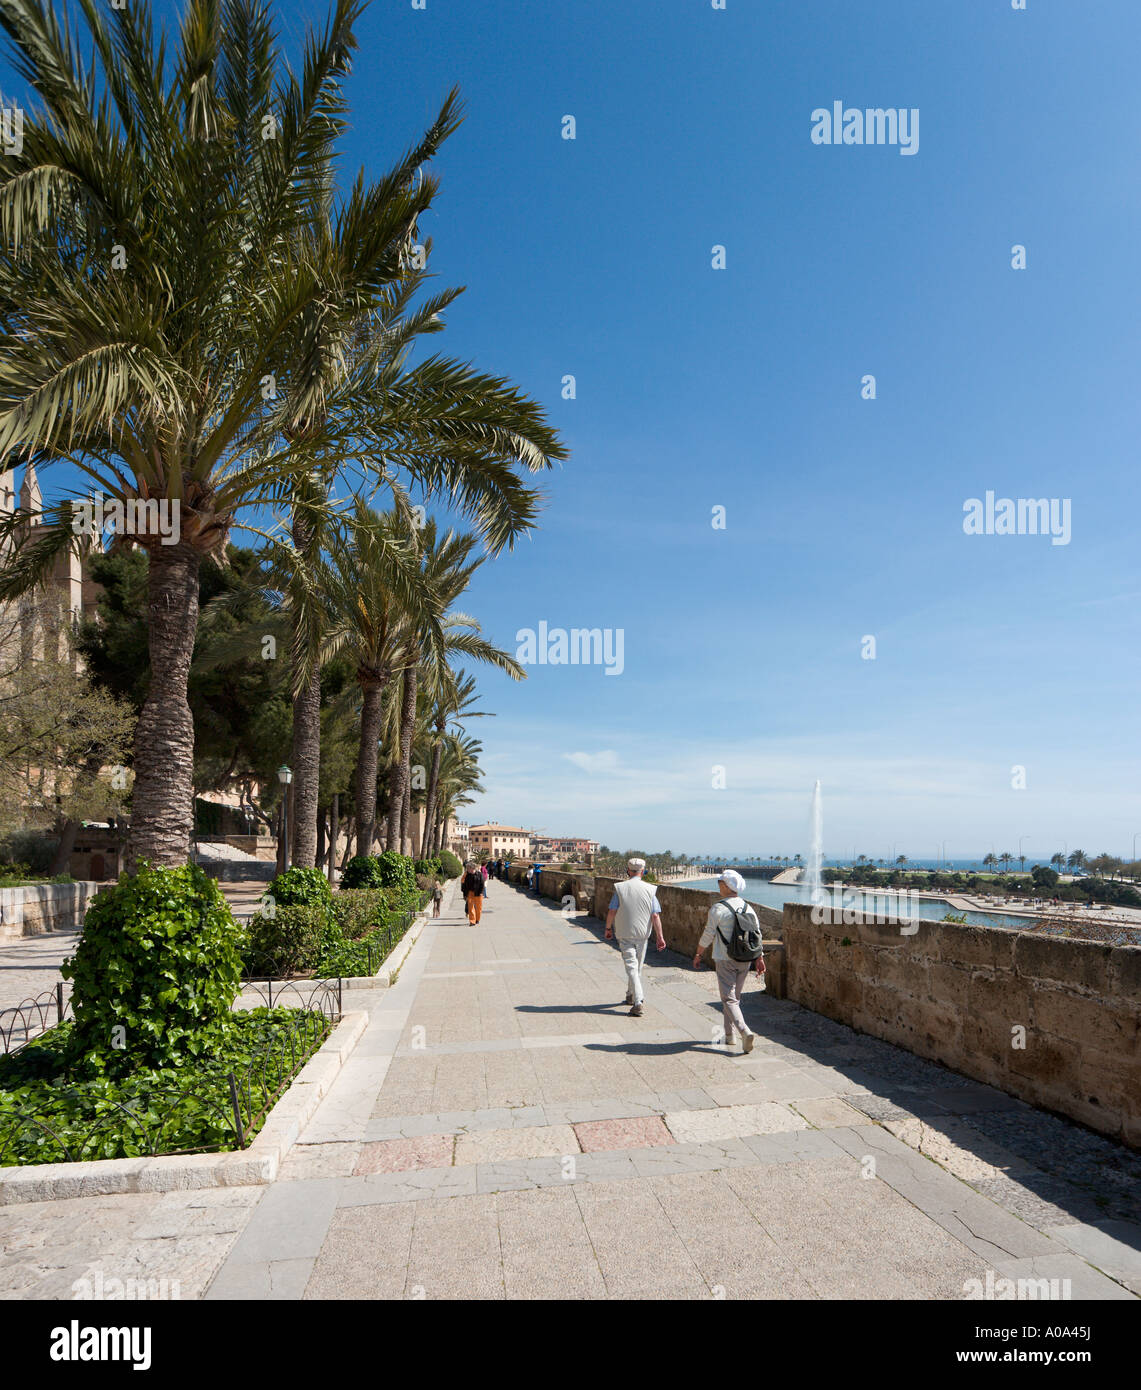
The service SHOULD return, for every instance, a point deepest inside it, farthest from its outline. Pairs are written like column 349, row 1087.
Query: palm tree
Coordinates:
column 459, row 782
column 1077, row 859
column 1006, row 859
column 375, row 599
column 990, row 861
column 452, row 693
column 447, row 566
column 161, row 262
column 1059, row 861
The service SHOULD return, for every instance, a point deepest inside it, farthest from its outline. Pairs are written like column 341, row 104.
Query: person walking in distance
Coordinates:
column 437, row 898
column 735, row 934
column 634, row 913
column 473, row 888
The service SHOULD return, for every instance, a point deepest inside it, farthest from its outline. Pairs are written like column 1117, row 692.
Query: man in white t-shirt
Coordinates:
column 634, row 913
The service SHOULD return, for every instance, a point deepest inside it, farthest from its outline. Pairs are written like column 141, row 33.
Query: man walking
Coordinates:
column 731, row 974
column 473, row 889
column 634, row 913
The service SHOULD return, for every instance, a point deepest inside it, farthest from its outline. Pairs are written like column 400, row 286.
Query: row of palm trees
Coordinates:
column 382, row 591
column 194, row 313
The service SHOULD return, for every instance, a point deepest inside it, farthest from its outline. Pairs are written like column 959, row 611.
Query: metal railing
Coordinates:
column 32, row 1017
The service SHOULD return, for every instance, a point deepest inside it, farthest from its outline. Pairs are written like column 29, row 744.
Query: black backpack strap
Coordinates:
column 736, row 917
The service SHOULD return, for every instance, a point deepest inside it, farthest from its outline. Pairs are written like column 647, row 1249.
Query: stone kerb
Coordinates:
column 1054, row 1021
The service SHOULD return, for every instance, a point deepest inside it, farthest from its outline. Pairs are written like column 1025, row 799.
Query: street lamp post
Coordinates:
column 284, row 776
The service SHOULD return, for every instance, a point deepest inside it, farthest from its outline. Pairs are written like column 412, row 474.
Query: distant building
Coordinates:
column 457, row 838
column 499, row 841
column 70, row 596
column 563, row 847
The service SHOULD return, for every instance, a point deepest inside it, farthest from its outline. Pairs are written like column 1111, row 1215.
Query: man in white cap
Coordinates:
column 634, row 912
column 723, row 917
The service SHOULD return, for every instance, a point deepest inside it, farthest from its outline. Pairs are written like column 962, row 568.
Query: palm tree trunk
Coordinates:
column 406, row 816
column 306, row 766
column 333, row 817
column 306, row 753
column 426, row 846
column 373, row 693
column 162, row 804
column 401, row 772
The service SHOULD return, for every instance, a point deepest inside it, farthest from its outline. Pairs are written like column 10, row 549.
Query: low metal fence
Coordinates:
column 32, row 1017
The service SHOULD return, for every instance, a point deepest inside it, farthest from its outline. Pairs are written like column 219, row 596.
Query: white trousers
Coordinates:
column 633, row 958
column 731, row 977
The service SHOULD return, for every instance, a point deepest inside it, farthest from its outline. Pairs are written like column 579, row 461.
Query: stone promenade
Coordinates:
column 504, row 1130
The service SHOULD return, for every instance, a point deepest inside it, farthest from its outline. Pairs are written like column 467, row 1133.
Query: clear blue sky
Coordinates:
column 740, row 388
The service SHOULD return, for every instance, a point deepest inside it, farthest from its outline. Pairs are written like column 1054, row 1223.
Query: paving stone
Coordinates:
column 622, row 1134
column 366, row 1253
column 827, row 1112
column 793, row 1146
column 290, row 1222
column 335, row 1160
column 491, row 1145
column 398, row 1155
column 559, row 1265
column 413, row 1185
column 731, row 1121
column 691, row 1157
column 1112, row 1246
column 264, row 1280
column 956, row 1147
column 1084, row 1281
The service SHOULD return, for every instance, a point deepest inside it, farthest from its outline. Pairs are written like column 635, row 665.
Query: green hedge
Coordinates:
column 450, row 865
column 301, row 888
column 45, row 1106
column 286, row 940
column 155, row 973
column 358, row 911
column 388, row 870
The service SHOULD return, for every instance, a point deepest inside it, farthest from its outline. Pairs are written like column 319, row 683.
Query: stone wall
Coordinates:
column 1054, row 1021
column 41, row 907
column 684, row 911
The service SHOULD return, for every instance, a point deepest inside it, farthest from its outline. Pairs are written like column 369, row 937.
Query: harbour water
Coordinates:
column 759, row 890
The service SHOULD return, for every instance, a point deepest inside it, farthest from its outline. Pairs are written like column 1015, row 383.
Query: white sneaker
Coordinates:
column 747, row 1041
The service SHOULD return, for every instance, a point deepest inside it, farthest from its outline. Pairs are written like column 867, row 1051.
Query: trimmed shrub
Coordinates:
column 450, row 866
column 155, row 973
column 358, row 911
column 288, row 940
column 396, row 871
column 428, row 868
column 361, row 872
column 301, row 888
column 387, row 870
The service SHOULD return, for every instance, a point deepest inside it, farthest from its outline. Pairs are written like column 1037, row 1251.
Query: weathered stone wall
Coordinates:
column 962, row 996
column 41, row 907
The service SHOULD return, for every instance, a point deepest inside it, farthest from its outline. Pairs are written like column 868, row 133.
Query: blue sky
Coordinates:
column 740, row 388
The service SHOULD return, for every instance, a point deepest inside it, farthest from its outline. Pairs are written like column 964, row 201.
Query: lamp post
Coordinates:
column 284, row 776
